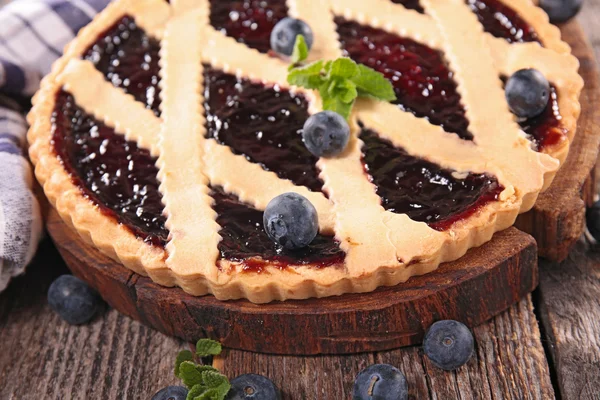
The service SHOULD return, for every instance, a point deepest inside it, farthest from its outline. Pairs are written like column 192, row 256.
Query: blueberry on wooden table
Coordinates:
column 291, row 221
column 561, row 10
column 253, row 387
column 448, row 344
column 283, row 35
column 380, row 382
column 527, row 93
column 73, row 300
column 171, row 393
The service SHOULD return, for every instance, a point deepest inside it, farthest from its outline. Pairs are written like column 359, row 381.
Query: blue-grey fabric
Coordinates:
column 33, row 34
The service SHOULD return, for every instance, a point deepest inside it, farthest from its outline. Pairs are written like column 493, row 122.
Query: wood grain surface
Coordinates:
column 117, row 358
column 569, row 305
column 509, row 364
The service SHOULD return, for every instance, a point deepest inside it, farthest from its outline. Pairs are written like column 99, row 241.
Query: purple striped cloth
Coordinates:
column 32, row 36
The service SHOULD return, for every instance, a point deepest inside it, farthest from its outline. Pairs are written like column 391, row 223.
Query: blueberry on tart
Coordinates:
column 167, row 128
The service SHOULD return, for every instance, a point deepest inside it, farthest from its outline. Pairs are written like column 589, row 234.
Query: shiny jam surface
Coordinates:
column 114, row 173
column 248, row 21
column 422, row 81
column 424, row 191
column 244, row 237
column 496, row 17
column 410, row 4
column 546, row 129
column 262, row 123
column 129, row 59
column 502, row 21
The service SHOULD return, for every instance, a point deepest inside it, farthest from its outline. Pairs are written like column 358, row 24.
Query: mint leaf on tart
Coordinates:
column 373, row 84
column 339, row 82
column 208, row 347
column 308, row 76
column 300, row 52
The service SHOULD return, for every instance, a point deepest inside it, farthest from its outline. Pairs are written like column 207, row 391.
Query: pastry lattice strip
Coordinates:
column 356, row 223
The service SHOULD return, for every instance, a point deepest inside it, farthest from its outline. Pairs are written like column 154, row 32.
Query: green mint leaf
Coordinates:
column 308, row 76
column 189, row 374
column 210, row 394
column 208, row 347
column 184, row 355
column 342, row 68
column 213, row 378
column 223, row 389
column 197, row 391
column 373, row 84
column 343, row 89
column 205, row 368
column 332, row 103
column 340, row 82
column 300, row 52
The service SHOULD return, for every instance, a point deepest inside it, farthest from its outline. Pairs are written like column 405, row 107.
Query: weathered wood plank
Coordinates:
column 589, row 18
column 42, row 357
column 569, row 303
column 568, row 298
column 116, row 357
column 509, row 364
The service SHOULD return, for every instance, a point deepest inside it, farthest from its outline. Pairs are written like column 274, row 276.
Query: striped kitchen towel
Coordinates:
column 32, row 36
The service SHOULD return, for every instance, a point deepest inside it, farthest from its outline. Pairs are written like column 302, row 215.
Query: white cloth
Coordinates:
column 32, row 36
column 20, row 217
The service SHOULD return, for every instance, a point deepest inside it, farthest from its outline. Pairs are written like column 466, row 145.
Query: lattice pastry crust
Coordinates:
column 382, row 248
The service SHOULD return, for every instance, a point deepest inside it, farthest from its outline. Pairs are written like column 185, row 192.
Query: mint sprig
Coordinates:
column 339, row 82
column 203, row 381
column 208, row 347
column 300, row 52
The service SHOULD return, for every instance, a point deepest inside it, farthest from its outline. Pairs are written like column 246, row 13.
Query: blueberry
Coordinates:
column 527, row 92
column 560, row 10
column 253, row 387
column 592, row 217
column 171, row 393
column 448, row 344
column 326, row 134
column 73, row 299
column 283, row 36
column 291, row 221
column 380, row 382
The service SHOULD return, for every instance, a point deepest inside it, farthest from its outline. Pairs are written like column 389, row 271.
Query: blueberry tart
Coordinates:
column 167, row 128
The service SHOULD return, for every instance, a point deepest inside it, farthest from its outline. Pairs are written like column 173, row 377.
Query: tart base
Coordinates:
column 558, row 218
column 483, row 283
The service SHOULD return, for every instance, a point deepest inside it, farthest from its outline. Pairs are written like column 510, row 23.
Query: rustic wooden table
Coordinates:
column 546, row 346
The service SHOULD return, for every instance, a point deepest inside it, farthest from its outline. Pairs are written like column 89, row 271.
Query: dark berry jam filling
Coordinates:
column 244, row 238
column 114, row 173
column 422, row 81
column 129, row 59
column 410, row 4
column 121, row 179
column 248, row 21
column 423, row 190
column 262, row 123
column 546, row 129
column 502, row 21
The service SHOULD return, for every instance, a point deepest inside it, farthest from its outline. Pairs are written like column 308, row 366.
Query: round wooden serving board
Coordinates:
column 486, row 281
